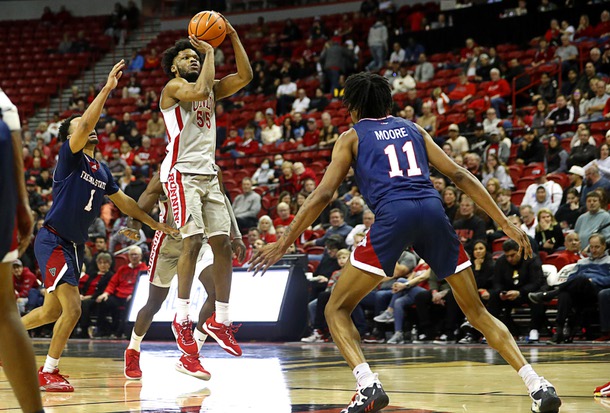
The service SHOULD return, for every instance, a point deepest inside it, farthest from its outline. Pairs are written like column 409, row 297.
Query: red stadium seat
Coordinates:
column 517, row 197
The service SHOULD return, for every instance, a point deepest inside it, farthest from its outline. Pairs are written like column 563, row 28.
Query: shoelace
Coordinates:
column 187, row 333
column 230, row 331
column 134, row 362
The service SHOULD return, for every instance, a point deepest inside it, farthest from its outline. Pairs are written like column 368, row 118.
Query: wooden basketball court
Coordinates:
column 295, row 377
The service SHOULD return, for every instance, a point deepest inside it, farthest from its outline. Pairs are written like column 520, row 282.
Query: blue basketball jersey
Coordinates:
column 8, row 190
column 79, row 186
column 392, row 162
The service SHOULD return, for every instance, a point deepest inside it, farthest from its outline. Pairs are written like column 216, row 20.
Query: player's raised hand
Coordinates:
column 266, row 257
column 200, row 45
column 159, row 226
column 230, row 28
column 238, row 247
column 131, row 233
column 520, row 237
column 25, row 226
column 115, row 74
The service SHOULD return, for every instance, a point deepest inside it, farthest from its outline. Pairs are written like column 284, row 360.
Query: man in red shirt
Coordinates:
column 23, row 281
column 571, row 254
column 311, row 136
column 302, row 174
column 91, row 287
column 463, row 91
column 119, row 292
column 145, row 157
column 284, row 217
column 603, row 27
column 497, row 91
column 248, row 146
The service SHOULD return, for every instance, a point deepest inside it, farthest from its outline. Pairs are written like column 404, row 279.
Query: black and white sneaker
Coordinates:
column 369, row 399
column 545, row 399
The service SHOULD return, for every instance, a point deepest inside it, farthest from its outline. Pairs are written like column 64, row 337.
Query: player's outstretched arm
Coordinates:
column 180, row 90
column 468, row 183
column 343, row 154
column 129, row 207
column 233, row 83
column 80, row 136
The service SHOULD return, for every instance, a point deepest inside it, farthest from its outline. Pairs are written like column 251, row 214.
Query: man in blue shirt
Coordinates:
column 80, row 184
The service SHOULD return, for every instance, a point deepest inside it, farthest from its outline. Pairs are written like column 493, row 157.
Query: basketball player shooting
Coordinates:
column 16, row 352
column 390, row 158
column 162, row 269
column 80, row 184
column 189, row 176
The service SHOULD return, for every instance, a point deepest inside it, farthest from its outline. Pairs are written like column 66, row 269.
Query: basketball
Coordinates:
column 208, row 26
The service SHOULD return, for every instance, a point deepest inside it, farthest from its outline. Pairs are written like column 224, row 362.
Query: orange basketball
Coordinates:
column 209, row 27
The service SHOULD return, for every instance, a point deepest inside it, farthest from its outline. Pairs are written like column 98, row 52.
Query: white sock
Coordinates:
column 530, row 378
column 136, row 340
column 50, row 364
column 200, row 338
column 364, row 375
column 182, row 309
column 222, row 312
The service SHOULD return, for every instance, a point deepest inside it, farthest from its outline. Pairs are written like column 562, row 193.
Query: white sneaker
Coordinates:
column 385, row 317
column 534, row 335
column 316, row 337
column 544, row 398
column 443, row 339
column 397, row 338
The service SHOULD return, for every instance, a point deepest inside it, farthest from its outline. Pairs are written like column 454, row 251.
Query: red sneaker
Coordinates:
column 602, row 391
column 53, row 382
column 223, row 334
column 132, row 365
column 184, row 336
column 190, row 364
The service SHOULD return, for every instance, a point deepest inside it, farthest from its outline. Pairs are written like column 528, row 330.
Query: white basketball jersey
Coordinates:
column 191, row 129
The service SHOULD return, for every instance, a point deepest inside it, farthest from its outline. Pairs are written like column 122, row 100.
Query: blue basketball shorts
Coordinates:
column 418, row 223
column 59, row 260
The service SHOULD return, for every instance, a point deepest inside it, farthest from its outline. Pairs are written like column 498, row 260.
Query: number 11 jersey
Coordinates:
column 392, row 161
column 79, row 186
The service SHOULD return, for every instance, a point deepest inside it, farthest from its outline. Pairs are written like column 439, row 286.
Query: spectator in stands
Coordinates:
column 587, row 279
column 44, row 182
column 546, row 5
column 556, row 156
column 258, row 30
column 568, row 53
column 118, row 293
column 570, row 82
column 35, row 199
column 124, row 127
column 530, row 149
column 126, row 153
column 560, row 118
column 318, row 30
column 264, row 175
column 301, row 103
column 576, row 137
column 483, row 66
column 285, row 94
column 91, row 286
column 145, row 158
column 284, row 217
column 101, row 246
column 356, row 211
column 247, row 205
column 155, row 127
column 515, row 277
column 136, row 63
column 152, row 60
column 491, row 121
column 544, row 54
column 594, row 181
column 368, row 218
column 23, row 281
column 584, row 28
column 472, row 162
column 602, row 29
column 595, row 220
column 469, row 227
column 571, row 254
column 290, row 32
column 497, row 91
column 414, row 101
column 398, row 54
column 493, row 168
column 74, row 98
column 496, row 147
column 463, row 90
column 603, row 162
column 80, row 44
column 403, row 81
column 270, row 132
column 65, row 45
column 583, row 153
column 338, row 226
column 302, row 174
column 595, row 105
column 319, row 102
column 428, row 119
column 529, row 220
column 116, row 164
column 288, row 179
column 96, row 229
column 553, row 192
column 424, row 71
column 584, row 83
column 568, row 212
column 505, row 204
column 336, row 60
column 547, row 89
column 549, row 235
column 378, row 44
column 459, row 144
column 249, row 145
column 266, row 228
column 329, row 133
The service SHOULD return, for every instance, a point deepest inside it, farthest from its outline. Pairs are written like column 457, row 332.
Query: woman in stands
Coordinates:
column 264, row 175
column 493, row 187
column 568, row 213
column 427, row 120
column 542, row 110
column 578, row 103
column 603, row 161
column 493, row 168
column 556, row 156
column 549, row 235
column 266, row 228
